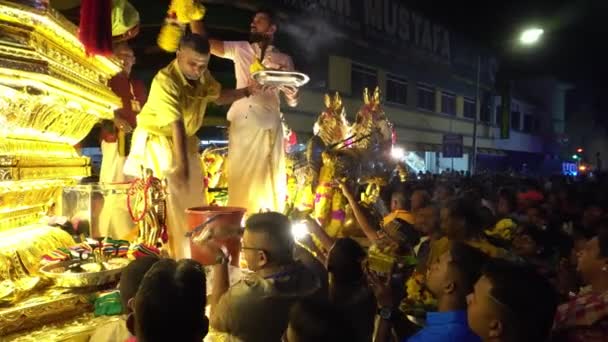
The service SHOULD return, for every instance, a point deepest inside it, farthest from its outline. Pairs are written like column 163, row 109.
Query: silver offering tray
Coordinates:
column 93, row 275
column 277, row 78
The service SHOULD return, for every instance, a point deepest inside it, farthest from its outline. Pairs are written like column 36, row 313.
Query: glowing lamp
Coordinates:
column 397, row 153
column 582, row 168
column 579, row 150
column 299, row 230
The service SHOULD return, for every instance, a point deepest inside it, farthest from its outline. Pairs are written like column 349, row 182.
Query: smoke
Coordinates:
column 312, row 32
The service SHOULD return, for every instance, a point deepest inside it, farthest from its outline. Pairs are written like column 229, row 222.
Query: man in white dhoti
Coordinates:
column 165, row 138
column 256, row 155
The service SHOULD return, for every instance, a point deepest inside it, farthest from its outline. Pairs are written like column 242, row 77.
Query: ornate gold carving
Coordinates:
column 51, row 95
column 23, row 195
column 18, row 148
column 31, row 173
column 48, row 307
column 43, row 117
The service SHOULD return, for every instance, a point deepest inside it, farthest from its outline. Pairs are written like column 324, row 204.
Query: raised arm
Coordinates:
column 361, row 218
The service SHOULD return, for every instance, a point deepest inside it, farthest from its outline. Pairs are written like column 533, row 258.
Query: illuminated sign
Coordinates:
column 569, row 169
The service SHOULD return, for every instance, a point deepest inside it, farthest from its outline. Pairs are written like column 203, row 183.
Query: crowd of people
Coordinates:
column 505, row 259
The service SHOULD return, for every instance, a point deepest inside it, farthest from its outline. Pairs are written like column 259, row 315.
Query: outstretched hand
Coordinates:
column 381, row 287
column 345, row 189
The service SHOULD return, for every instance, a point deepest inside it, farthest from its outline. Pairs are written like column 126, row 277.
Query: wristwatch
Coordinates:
column 222, row 259
column 386, row 313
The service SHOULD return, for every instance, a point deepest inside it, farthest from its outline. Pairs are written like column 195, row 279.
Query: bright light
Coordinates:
column 574, row 156
column 398, row 152
column 299, row 230
column 531, row 36
column 579, row 150
column 582, row 168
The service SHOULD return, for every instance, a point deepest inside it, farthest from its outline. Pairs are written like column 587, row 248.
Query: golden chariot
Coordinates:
column 51, row 95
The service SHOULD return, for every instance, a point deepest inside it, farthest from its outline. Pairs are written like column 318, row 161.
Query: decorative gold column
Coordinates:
column 51, row 95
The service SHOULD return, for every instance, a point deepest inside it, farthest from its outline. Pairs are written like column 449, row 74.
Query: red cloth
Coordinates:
column 121, row 86
column 533, row 196
column 95, row 31
column 584, row 318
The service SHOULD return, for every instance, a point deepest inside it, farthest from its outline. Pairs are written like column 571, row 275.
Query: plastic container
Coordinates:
column 216, row 218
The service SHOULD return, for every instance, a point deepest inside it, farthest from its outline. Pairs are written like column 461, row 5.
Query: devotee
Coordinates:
column 256, row 155
column 115, row 135
column 170, row 303
column 420, row 199
column 256, row 308
column 505, row 211
column 427, row 223
column 165, row 139
column 585, row 316
column 317, row 321
column 399, row 222
column 114, row 219
column 450, row 280
column 130, row 279
column 443, row 194
column 348, row 290
column 530, row 244
column 511, row 303
column 461, row 221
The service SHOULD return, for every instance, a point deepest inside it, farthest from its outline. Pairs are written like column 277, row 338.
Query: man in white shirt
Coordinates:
column 256, row 156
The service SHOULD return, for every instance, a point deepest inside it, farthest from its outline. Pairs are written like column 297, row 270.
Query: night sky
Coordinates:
column 573, row 47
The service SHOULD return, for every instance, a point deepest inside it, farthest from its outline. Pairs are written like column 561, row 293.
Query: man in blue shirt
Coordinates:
column 450, row 279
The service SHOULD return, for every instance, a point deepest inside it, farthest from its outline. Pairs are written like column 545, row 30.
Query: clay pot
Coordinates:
column 220, row 220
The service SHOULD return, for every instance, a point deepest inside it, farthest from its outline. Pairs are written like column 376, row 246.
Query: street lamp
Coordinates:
column 528, row 37
column 531, row 36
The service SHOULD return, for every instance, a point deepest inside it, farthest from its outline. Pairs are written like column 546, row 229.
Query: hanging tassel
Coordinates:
column 95, row 31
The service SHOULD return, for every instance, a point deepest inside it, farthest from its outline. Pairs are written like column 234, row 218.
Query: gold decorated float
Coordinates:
column 357, row 153
column 51, row 95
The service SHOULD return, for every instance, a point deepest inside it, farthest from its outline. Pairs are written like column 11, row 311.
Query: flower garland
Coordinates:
column 180, row 13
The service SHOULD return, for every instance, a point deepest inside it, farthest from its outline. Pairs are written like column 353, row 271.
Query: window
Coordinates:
column 536, row 125
column 363, row 77
column 528, row 123
column 485, row 112
column 469, row 108
column 396, row 90
column 448, row 103
column 498, row 117
column 426, row 97
column 515, row 120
